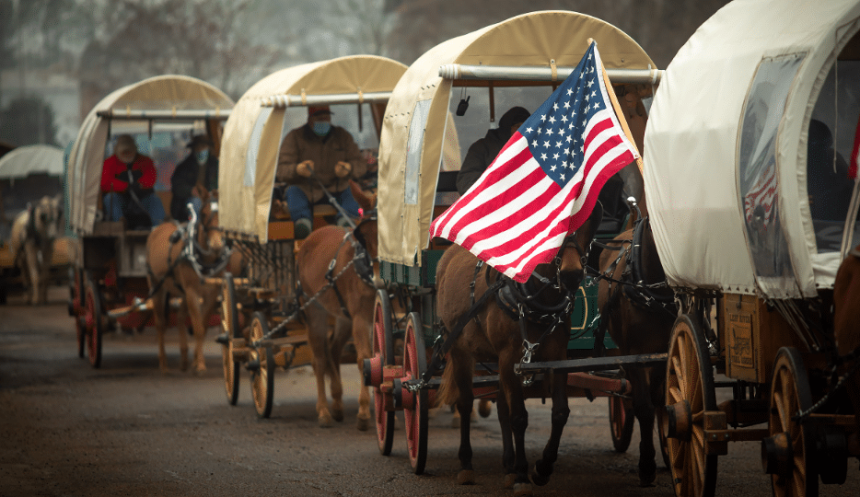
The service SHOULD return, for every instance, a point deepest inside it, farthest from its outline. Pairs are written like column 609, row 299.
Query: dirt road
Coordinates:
column 126, row 429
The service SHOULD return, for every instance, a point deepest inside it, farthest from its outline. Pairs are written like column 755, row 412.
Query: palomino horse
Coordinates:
column 493, row 335
column 640, row 321
column 33, row 234
column 172, row 272
column 349, row 300
column 846, row 296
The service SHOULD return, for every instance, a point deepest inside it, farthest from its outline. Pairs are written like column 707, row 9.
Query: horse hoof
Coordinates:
column 326, row 422
column 485, row 409
column 337, row 415
column 510, row 479
column 522, row 489
column 646, row 481
column 466, row 477
column 200, row 371
column 363, row 424
column 537, row 477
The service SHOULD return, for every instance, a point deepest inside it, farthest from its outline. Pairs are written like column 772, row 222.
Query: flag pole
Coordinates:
column 619, row 113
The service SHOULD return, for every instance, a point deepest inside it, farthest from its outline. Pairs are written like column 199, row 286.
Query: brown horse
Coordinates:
column 349, row 301
column 846, row 296
column 171, row 272
column 639, row 323
column 495, row 336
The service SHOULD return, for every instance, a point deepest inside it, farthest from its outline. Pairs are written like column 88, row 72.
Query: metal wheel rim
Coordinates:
column 685, row 381
column 790, row 394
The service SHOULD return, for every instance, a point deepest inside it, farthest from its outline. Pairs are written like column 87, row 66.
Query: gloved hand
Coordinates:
column 342, row 169
column 305, row 168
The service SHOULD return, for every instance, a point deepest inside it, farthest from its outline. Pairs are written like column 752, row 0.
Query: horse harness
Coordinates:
column 519, row 302
column 191, row 251
column 361, row 261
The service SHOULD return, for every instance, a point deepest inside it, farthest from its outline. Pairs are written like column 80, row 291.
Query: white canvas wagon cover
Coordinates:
column 165, row 95
column 726, row 145
column 252, row 134
column 32, row 159
column 415, row 140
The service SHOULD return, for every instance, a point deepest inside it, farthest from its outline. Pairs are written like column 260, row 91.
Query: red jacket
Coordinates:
column 113, row 166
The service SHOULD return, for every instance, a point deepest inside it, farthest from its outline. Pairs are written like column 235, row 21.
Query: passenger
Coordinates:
column 328, row 152
column 197, row 172
column 128, row 179
column 482, row 153
column 828, row 185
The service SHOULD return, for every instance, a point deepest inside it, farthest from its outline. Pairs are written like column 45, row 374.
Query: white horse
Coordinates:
column 33, row 235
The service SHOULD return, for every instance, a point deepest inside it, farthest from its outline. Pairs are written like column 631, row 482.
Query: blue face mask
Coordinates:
column 322, row 128
column 202, row 156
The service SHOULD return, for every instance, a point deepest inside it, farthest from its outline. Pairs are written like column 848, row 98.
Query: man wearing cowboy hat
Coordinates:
column 315, row 153
column 195, row 173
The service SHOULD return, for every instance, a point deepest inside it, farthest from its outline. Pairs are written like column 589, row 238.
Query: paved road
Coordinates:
column 126, row 429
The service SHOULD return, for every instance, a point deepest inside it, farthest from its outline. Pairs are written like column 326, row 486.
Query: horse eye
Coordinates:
column 43, row 217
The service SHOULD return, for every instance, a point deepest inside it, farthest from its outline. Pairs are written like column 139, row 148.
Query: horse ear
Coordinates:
column 586, row 232
column 364, row 201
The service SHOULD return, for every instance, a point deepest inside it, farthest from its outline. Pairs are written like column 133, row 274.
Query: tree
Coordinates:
column 26, row 121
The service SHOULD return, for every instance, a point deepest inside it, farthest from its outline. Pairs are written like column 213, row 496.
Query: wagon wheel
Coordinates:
column 791, row 464
column 621, row 420
column 414, row 365
column 263, row 371
column 77, row 305
column 383, row 344
column 230, row 328
column 93, row 319
column 690, row 389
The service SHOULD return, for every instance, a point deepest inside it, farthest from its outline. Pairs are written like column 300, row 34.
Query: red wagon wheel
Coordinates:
column 383, row 344
column 789, row 451
column 621, row 421
column 414, row 365
column 690, row 392
column 93, row 319
column 263, row 372
column 230, row 327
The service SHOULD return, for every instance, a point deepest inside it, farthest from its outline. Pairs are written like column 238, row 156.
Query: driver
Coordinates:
column 327, row 152
column 127, row 182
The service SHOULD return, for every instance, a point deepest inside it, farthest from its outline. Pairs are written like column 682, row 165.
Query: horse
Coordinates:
column 846, row 315
column 495, row 334
column 348, row 297
column 33, row 233
column 172, row 252
column 640, row 321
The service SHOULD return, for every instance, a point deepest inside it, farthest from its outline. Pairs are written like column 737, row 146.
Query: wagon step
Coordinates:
column 593, row 363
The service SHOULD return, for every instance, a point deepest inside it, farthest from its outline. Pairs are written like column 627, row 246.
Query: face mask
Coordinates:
column 202, row 156
column 322, row 128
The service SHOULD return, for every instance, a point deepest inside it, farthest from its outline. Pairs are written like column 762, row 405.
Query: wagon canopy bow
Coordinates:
column 253, row 133
column 418, row 133
column 726, row 146
column 168, row 97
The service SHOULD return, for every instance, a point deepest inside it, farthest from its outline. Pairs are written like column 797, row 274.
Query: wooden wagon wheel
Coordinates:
column 93, row 319
column 789, row 451
column 383, row 344
column 230, row 327
column 621, row 421
column 689, row 393
column 414, row 365
column 263, row 370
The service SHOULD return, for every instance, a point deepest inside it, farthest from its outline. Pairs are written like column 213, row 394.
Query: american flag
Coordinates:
column 763, row 193
column 544, row 183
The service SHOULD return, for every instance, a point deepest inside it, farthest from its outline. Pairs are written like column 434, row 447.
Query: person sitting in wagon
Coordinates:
column 196, row 172
column 128, row 179
column 482, row 153
column 313, row 154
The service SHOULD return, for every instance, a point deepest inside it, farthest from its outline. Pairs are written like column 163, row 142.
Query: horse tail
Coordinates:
column 448, row 392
